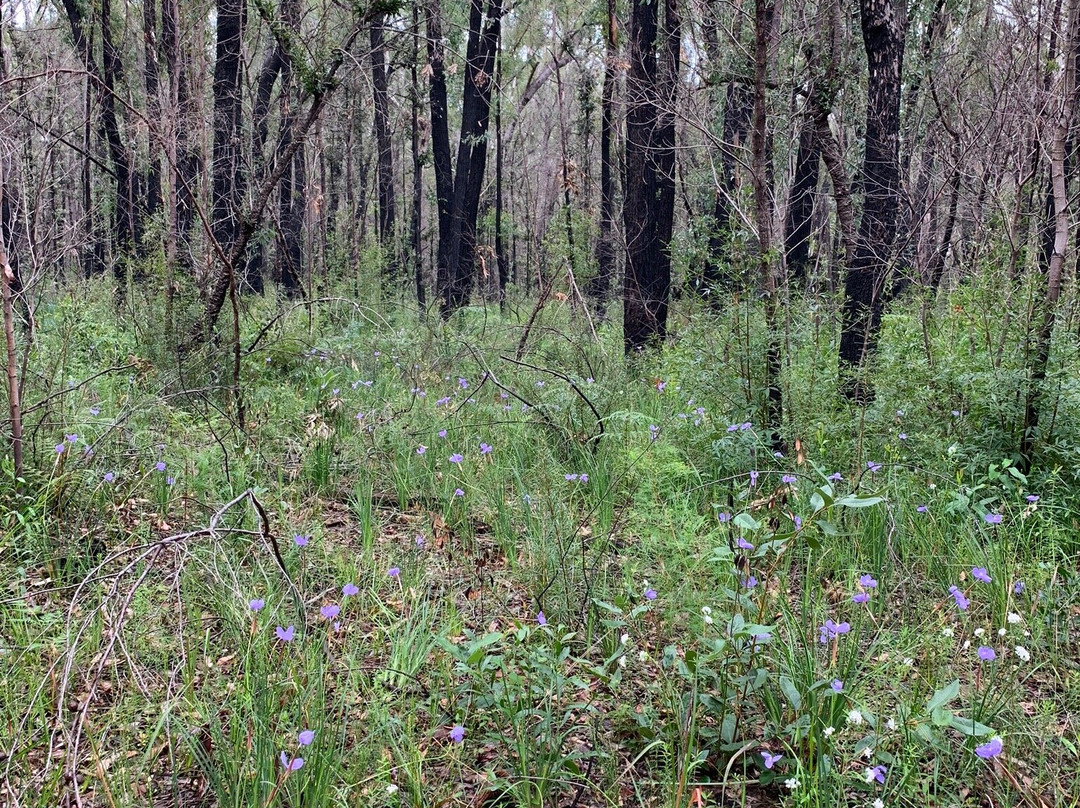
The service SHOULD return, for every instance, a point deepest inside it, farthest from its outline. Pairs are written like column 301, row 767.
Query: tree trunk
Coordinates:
column 738, row 106
column 457, row 274
column 884, row 24
column 418, row 169
column 1053, row 265
column 227, row 180
column 383, row 145
column 798, row 220
column 600, row 289
column 151, row 82
column 649, row 204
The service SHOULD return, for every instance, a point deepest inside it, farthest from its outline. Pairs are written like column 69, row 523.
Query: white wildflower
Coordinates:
column 1013, row 618
column 1001, row 632
column 869, row 775
column 878, row 803
column 624, row 639
column 868, row 752
column 1022, row 653
column 979, row 632
column 622, row 662
column 643, row 655
column 391, row 789
column 792, row 783
column 908, row 662
column 829, row 731
column 706, row 610
column 890, row 725
column 854, row 718
column 947, row 631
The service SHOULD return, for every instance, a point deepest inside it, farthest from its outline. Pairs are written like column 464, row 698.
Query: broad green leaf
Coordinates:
column 968, row 726
column 943, row 696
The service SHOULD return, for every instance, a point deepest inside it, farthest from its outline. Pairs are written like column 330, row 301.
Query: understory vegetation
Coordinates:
column 443, row 564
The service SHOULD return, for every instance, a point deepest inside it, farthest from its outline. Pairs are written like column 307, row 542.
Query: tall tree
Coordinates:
column 383, row 144
column 649, row 186
column 600, row 289
column 458, row 188
column 227, row 173
column 884, row 25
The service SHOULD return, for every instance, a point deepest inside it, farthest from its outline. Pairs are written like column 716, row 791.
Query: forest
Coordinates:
column 533, row 403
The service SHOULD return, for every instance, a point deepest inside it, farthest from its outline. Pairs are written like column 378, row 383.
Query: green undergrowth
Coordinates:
column 440, row 572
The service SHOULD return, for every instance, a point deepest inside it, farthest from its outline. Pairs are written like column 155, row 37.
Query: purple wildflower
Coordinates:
column 291, row 764
column 749, row 582
column 306, row 737
column 109, row 476
column 650, row 594
column 753, row 478
column 986, row 653
column 961, row 601
column 990, row 749
column 873, row 467
column 457, row 733
column 541, row 619
column 769, row 759
column 921, row 509
column 723, row 516
column 1033, row 498
column 860, row 597
column 330, row 611
column 788, row 479
column 836, row 477
column 256, row 604
column 832, row 629
column 459, row 492
column 285, row 634
column 485, row 449
column 1018, row 587
column 421, row 449
column 300, row 540
column 456, row 458
column 743, row 544
column 837, row 685
column 60, row 447
column 160, row 465
column 980, row 574
column 350, row 589
column 394, row 572
column 442, row 433
column 992, row 518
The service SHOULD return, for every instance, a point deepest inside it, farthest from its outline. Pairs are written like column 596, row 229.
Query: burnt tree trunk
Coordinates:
column 884, row 24
column 151, row 82
column 418, row 170
column 188, row 161
column 649, row 185
column 383, row 145
column 600, row 289
column 456, row 275
column 227, row 179
column 798, row 219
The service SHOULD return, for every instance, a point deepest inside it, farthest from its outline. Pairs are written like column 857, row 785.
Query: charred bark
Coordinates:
column 884, row 24
column 649, row 185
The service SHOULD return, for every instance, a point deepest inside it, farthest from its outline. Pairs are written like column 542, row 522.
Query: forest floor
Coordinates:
column 427, row 571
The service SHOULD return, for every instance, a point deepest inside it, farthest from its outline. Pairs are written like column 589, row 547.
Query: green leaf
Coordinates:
column 941, row 716
column 969, row 726
column 858, row 501
column 746, row 522
column 791, row 693
column 943, row 696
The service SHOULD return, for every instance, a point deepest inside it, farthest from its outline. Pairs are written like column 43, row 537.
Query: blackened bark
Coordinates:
column 292, row 199
column 188, row 160
column 501, row 260
column 440, row 136
column 649, row 204
column 798, row 220
column 227, row 178
column 884, row 24
column 418, row 169
column 151, row 82
column 271, row 69
column 457, row 275
column 126, row 221
column 600, row 289
column 738, row 105
column 937, row 262
column 383, row 144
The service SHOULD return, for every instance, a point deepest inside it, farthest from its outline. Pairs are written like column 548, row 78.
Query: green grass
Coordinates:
column 130, row 658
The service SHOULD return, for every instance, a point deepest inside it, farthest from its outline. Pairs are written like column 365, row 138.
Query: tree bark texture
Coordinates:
column 649, row 183
column 884, row 24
